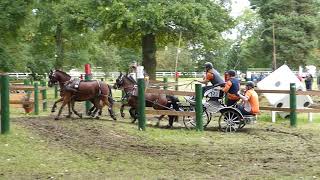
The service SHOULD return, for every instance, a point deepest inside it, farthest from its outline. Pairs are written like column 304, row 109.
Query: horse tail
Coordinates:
column 110, row 99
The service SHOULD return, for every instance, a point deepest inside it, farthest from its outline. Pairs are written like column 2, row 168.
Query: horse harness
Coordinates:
column 74, row 83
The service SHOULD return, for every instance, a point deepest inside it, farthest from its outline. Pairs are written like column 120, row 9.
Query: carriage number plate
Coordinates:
column 213, row 93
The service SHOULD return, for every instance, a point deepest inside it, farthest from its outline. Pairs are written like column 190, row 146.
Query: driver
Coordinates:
column 212, row 76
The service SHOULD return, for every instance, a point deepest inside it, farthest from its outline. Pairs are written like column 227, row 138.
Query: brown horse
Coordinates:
column 93, row 91
column 157, row 101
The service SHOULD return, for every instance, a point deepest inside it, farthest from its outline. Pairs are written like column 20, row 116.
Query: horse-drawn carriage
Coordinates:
column 230, row 120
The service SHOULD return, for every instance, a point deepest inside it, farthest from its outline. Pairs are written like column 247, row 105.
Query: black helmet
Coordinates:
column 208, row 65
column 232, row 73
column 250, row 84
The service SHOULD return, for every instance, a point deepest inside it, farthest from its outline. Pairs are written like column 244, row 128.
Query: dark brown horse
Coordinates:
column 94, row 91
column 157, row 101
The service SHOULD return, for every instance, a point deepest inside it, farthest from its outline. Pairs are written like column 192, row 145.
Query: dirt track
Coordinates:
column 261, row 151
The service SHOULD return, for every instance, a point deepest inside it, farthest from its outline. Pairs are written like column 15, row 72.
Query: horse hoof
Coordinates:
column 56, row 118
column 97, row 117
column 133, row 121
column 53, row 111
column 80, row 116
column 68, row 116
column 169, row 127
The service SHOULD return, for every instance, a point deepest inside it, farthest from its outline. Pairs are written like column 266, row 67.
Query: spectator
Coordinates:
column 308, row 81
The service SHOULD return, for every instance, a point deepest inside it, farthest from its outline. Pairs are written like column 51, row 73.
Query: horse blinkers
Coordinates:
column 52, row 79
column 119, row 82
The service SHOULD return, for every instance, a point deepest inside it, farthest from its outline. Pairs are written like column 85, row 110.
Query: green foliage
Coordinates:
column 296, row 23
column 166, row 59
column 12, row 14
column 127, row 22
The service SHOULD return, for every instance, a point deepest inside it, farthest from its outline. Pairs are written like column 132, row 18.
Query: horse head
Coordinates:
column 52, row 79
column 124, row 81
column 58, row 76
column 119, row 81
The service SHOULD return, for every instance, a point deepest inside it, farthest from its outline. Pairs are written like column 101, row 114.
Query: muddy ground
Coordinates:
column 263, row 151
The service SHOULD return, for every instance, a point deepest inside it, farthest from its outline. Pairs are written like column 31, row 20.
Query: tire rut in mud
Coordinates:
column 83, row 135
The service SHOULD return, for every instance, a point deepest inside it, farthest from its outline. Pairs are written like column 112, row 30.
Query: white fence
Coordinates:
column 99, row 74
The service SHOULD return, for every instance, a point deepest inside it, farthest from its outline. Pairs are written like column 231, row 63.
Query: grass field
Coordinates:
column 40, row 148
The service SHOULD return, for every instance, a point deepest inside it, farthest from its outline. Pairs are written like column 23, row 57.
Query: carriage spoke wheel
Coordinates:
column 229, row 121
column 190, row 122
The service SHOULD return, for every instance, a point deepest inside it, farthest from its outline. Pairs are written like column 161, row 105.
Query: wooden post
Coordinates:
column 5, row 108
column 199, row 108
column 141, row 99
column 293, row 105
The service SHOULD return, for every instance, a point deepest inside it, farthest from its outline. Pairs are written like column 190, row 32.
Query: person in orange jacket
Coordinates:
column 231, row 88
column 250, row 105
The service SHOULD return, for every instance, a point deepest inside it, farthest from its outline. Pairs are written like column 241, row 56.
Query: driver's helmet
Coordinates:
column 133, row 64
column 250, row 84
column 232, row 73
column 208, row 65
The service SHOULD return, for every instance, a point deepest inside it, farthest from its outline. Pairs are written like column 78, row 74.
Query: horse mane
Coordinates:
column 57, row 70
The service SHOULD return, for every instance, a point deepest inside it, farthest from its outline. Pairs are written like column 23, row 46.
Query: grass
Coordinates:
column 156, row 153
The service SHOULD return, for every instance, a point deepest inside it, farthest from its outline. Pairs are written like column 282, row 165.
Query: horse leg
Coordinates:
column 69, row 110
column 133, row 114
column 89, row 113
column 159, row 119
column 74, row 111
column 110, row 109
column 66, row 100
column 107, row 101
column 121, row 110
column 97, row 107
column 53, row 109
column 171, row 119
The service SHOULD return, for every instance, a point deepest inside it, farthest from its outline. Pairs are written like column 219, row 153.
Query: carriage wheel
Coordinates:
column 190, row 122
column 229, row 121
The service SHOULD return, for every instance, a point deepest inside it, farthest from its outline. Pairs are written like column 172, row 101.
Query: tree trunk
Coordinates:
column 149, row 55
column 59, row 47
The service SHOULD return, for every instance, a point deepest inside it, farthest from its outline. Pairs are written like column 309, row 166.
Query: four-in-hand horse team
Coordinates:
column 234, row 115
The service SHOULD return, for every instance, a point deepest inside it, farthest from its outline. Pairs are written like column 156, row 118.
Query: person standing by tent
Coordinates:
column 308, row 81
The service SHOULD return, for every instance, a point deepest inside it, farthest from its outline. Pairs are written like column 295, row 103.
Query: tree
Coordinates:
column 295, row 23
column 12, row 15
column 63, row 30
column 148, row 24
